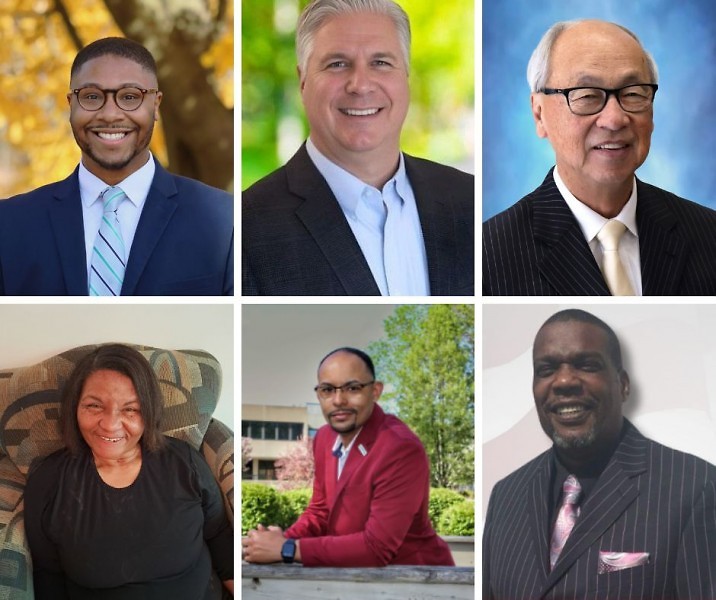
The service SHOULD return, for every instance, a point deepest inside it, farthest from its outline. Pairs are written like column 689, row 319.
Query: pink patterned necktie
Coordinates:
column 567, row 516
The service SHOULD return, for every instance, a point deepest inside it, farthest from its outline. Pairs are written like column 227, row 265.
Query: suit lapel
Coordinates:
column 159, row 207
column 662, row 250
column 366, row 438
column 437, row 222
column 566, row 261
column 65, row 214
column 538, row 516
column 613, row 493
column 325, row 222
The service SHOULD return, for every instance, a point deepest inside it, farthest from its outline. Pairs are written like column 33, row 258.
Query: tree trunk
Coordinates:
column 198, row 128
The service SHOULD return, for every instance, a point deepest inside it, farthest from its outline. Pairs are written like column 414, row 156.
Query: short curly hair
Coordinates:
column 115, row 46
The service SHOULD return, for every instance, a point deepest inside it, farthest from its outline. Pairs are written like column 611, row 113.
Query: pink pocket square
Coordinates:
column 616, row 561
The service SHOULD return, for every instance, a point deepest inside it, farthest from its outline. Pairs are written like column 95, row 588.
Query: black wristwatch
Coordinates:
column 288, row 551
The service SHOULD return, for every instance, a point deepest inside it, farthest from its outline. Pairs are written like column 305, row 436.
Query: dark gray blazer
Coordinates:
column 296, row 240
column 536, row 248
column 648, row 499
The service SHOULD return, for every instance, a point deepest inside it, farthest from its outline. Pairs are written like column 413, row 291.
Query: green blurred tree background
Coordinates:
column 427, row 358
column 193, row 44
column 440, row 122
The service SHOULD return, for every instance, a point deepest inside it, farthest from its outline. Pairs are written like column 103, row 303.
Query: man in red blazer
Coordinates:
column 371, row 485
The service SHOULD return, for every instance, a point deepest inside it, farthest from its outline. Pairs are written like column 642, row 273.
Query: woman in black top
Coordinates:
column 123, row 512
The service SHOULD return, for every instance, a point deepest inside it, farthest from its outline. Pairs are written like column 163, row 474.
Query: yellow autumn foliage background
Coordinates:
column 40, row 38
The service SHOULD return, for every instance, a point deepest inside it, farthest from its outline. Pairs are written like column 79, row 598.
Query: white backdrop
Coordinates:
column 31, row 333
column 669, row 352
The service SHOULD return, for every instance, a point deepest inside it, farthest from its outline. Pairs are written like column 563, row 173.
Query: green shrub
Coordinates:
column 458, row 519
column 441, row 499
column 296, row 502
column 260, row 504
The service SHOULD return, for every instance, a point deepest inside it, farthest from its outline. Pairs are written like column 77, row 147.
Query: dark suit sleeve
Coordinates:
column 249, row 286
column 486, row 536
column 229, row 273
column 398, row 490
column 696, row 562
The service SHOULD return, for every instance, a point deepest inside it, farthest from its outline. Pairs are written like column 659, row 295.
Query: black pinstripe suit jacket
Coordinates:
column 536, row 248
column 648, row 499
column 296, row 240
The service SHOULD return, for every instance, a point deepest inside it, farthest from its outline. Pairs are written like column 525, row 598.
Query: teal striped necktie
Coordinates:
column 108, row 254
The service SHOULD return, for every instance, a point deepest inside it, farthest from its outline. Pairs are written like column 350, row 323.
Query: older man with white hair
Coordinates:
column 593, row 228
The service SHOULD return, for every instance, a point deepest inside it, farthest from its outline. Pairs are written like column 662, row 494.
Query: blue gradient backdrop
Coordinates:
column 682, row 38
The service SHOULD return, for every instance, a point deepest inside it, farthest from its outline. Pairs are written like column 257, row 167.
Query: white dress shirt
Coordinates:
column 399, row 263
column 591, row 222
column 338, row 445
column 136, row 187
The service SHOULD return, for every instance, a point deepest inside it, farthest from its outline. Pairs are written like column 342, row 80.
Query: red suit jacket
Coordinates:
column 376, row 514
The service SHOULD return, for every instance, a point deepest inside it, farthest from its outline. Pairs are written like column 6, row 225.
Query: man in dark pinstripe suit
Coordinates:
column 593, row 86
column 646, row 514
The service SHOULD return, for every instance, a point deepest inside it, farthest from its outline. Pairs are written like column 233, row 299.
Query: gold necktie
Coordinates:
column 612, row 267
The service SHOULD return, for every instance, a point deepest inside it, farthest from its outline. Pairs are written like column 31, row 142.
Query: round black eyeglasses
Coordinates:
column 127, row 98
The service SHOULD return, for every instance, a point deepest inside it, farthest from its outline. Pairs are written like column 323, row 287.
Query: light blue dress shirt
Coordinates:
column 385, row 223
column 136, row 187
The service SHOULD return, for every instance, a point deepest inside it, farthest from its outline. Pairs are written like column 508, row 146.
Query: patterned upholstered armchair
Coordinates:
column 29, row 428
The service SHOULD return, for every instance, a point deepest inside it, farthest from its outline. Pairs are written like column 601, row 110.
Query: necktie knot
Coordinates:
column 571, row 490
column 611, row 234
column 112, row 197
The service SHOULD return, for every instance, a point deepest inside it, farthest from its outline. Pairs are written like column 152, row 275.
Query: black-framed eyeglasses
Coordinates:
column 127, row 98
column 585, row 101
column 326, row 391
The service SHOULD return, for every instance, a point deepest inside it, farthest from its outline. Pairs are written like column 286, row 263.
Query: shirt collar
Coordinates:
column 346, row 187
column 590, row 221
column 135, row 186
column 339, row 443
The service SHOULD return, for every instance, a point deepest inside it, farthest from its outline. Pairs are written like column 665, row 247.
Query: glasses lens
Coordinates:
column 129, row 98
column 325, row 391
column 90, row 98
column 586, row 101
column 636, row 98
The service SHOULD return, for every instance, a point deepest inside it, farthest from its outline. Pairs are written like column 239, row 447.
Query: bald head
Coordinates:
column 563, row 40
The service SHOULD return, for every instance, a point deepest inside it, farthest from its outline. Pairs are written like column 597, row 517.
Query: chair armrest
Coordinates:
column 15, row 561
column 218, row 450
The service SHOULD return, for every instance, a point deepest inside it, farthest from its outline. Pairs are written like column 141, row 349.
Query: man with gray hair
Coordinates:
column 593, row 228
column 350, row 214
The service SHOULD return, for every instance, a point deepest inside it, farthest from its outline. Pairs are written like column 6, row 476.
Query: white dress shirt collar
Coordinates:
column 590, row 221
column 338, row 445
column 398, row 263
column 136, row 187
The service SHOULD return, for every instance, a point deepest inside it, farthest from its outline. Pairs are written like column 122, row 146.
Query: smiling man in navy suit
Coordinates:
column 606, row 512
column 592, row 227
column 120, row 224
column 350, row 214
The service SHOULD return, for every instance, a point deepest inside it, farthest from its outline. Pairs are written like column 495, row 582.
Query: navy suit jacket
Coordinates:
column 183, row 244
column 536, row 248
column 649, row 499
column 296, row 240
